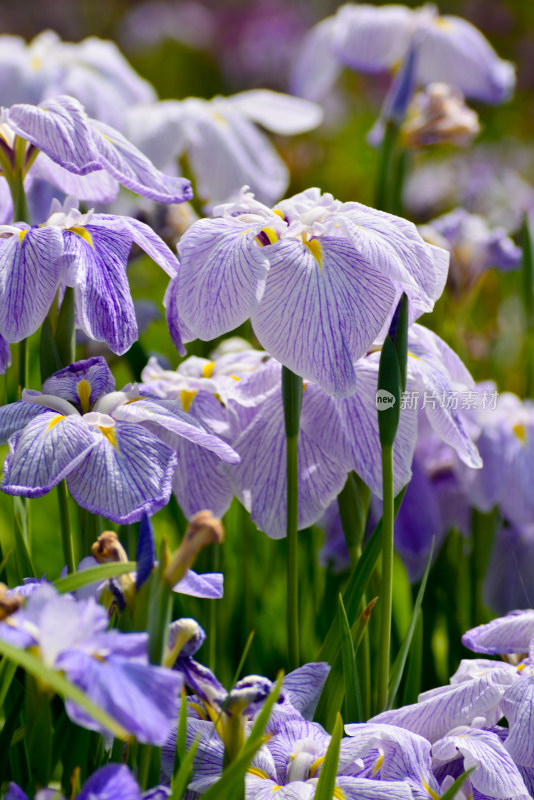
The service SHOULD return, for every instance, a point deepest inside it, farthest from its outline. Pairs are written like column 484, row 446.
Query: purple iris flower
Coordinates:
column 65, row 140
column 474, row 246
column 93, row 70
column 318, row 278
column 111, row 667
column 80, row 428
column 373, row 40
column 112, row 782
column 221, row 139
column 509, row 581
column 86, row 251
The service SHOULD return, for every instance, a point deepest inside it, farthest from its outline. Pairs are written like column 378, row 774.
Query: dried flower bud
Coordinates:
column 9, row 602
column 203, row 529
column 107, row 549
column 439, row 115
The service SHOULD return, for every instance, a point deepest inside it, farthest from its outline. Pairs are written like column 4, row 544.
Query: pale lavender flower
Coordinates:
column 373, row 39
column 318, row 278
column 221, row 139
column 80, row 428
column 111, row 667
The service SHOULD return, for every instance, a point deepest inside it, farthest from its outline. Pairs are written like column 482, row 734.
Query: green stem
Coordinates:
column 66, row 531
column 292, row 399
column 383, row 189
column 212, row 618
column 23, row 366
column 386, row 593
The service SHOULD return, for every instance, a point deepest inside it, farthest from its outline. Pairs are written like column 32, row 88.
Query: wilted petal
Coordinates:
column 91, row 378
column 322, row 308
column 60, row 128
column 30, row 270
column 46, row 451
column 143, row 698
column 221, row 278
column 104, row 306
column 128, row 471
column 133, row 169
column 278, row 112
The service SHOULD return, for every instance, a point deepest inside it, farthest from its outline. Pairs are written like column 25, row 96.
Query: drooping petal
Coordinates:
column 517, row 705
column 438, row 711
column 260, row 481
column 145, row 238
column 30, row 270
column 316, row 67
column 104, row 306
column 221, row 278
column 278, row 112
column 16, row 416
column 133, row 169
column 510, row 634
column 143, row 698
column 129, row 471
column 60, row 128
column 146, row 551
column 322, row 307
column 370, row 39
column 303, row 686
column 87, row 379
column 46, row 451
column 113, row 780
column 94, row 187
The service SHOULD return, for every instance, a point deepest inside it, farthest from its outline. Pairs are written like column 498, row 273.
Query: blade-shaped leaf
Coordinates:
column 93, row 575
column 327, row 779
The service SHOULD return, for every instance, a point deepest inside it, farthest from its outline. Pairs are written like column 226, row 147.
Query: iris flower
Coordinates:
column 370, row 39
column 110, row 446
column 111, row 667
column 86, row 251
column 318, row 278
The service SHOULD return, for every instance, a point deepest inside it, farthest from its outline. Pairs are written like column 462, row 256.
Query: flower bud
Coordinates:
column 203, row 529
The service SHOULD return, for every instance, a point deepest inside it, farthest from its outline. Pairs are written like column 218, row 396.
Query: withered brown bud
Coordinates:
column 107, row 549
column 438, row 115
column 9, row 602
column 203, row 529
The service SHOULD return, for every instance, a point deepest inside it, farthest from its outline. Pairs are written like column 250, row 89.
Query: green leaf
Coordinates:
column 22, row 552
column 400, row 661
column 527, row 273
column 353, row 700
column 327, row 779
column 181, row 779
column 56, row 681
column 233, row 777
column 414, row 667
column 356, row 587
column 94, row 575
column 7, row 673
column 9, row 726
column 458, row 783
column 292, row 400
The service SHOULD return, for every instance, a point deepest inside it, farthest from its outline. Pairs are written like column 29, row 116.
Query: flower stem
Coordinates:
column 383, row 185
column 292, row 400
column 66, row 531
column 23, row 366
column 386, row 592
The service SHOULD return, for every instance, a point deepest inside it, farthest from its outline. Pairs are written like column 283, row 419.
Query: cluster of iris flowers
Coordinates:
column 340, row 423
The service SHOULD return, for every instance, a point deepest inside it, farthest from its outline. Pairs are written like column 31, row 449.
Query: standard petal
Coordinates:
column 60, row 128
column 30, row 270
column 81, row 383
column 322, row 308
column 133, row 169
column 370, row 39
column 48, row 449
column 278, row 112
column 128, row 471
column 104, row 305
column 510, row 634
column 303, row 686
column 221, row 278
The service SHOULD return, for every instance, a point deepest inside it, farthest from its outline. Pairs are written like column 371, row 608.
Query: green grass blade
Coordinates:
column 327, row 779
column 414, row 667
column 400, row 661
column 94, row 575
column 181, row 779
column 57, row 682
column 353, row 700
column 233, row 777
column 457, row 785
